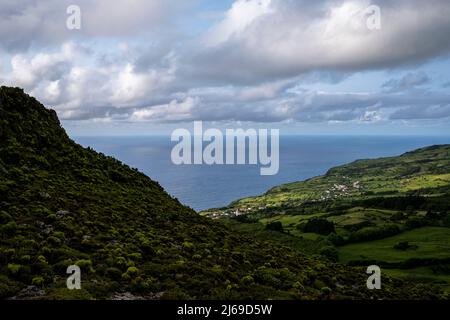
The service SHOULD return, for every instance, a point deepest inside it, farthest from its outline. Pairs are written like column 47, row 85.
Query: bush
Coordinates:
column 330, row 253
column 14, row 269
column 275, row 226
column 336, row 239
column 374, row 233
column 319, row 226
column 247, row 280
column 135, row 256
column 188, row 245
column 7, row 287
column 397, row 216
column 85, row 265
column 441, row 269
column 404, row 245
column 416, row 222
column 120, row 262
column 5, row 217
column 38, row 281
column 54, row 241
column 113, row 273
column 131, row 273
column 19, row 272
column 9, row 228
column 267, row 276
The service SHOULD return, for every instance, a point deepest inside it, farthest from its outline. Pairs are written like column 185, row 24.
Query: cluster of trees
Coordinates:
column 317, row 225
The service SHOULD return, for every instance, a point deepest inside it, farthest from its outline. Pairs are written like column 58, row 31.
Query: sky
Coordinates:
column 143, row 67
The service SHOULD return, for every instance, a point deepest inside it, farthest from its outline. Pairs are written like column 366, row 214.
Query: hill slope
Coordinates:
column 421, row 173
column 393, row 212
column 62, row 204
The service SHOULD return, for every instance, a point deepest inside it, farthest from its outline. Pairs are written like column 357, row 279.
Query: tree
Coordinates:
column 319, row 226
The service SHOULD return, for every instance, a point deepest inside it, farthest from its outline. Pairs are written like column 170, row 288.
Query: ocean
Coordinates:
column 210, row 186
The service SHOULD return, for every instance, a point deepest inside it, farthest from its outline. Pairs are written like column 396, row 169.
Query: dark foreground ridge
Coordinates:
column 62, row 204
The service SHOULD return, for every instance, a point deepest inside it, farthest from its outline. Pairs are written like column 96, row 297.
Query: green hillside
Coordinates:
column 394, row 212
column 62, row 204
column 421, row 173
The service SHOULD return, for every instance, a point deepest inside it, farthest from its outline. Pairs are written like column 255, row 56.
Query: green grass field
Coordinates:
column 431, row 242
column 422, row 275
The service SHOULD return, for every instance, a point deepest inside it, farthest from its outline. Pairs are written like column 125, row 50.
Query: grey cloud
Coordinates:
column 27, row 23
column 410, row 80
column 419, row 112
column 308, row 106
column 241, row 70
column 321, row 36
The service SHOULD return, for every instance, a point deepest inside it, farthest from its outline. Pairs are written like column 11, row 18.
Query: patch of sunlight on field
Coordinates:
column 425, row 181
column 287, row 220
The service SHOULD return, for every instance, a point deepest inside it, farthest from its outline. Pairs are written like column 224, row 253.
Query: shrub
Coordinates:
column 7, row 287
column 42, row 259
column 19, row 272
column 54, row 241
column 9, row 228
column 38, row 281
column 5, row 217
column 120, row 262
column 275, row 226
column 247, row 280
column 397, row 216
column 113, row 273
column 188, row 245
column 197, row 257
column 267, row 276
column 374, row 233
column 441, row 269
column 25, row 259
column 416, row 222
column 14, row 269
column 336, row 239
column 319, row 226
column 131, row 273
column 135, row 256
column 330, row 253
column 85, row 265
column 404, row 245
column 297, row 285
column 61, row 266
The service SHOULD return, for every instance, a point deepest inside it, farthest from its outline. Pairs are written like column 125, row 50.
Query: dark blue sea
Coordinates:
column 204, row 186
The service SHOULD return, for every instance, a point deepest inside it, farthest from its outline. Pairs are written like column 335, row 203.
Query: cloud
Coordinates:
column 173, row 111
column 408, row 81
column 288, row 38
column 302, row 106
column 236, row 20
column 26, row 72
column 25, row 23
column 66, row 82
column 419, row 112
column 260, row 61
